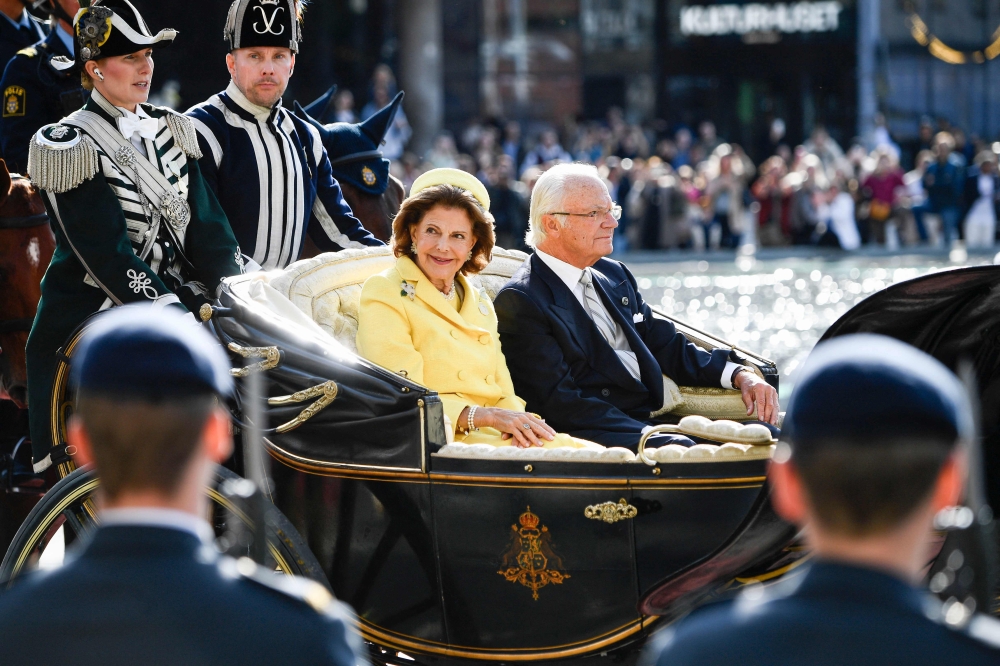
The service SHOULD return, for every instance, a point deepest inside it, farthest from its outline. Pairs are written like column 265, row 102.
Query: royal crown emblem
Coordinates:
column 368, row 176
column 530, row 559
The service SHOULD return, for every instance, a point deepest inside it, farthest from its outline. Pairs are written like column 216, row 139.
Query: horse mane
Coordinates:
column 21, row 198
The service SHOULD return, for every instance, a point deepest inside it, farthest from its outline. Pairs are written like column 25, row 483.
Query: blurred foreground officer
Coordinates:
column 149, row 587
column 267, row 166
column 869, row 457
column 40, row 85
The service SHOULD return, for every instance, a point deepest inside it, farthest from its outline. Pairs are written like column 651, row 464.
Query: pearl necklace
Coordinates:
column 450, row 296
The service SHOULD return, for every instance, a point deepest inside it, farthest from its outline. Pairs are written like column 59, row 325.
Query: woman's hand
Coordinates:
column 512, row 424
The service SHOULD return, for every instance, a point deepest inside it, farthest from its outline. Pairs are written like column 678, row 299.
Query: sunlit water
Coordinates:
column 777, row 308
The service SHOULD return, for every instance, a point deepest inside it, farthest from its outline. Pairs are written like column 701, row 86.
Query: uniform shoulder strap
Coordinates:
column 60, row 158
column 184, row 134
column 301, row 589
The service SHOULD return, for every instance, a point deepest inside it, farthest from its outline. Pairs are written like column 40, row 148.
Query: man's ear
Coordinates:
column 292, row 70
column 950, row 482
column 216, row 436
column 231, row 64
column 551, row 225
column 787, row 493
column 79, row 442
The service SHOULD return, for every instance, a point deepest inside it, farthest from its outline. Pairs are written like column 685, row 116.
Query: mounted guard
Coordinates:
column 133, row 217
column 268, row 167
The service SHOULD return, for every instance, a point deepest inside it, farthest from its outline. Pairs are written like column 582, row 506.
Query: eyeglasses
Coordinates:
column 616, row 212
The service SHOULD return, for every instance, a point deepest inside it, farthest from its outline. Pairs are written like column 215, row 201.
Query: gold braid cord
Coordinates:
column 271, row 356
column 326, row 392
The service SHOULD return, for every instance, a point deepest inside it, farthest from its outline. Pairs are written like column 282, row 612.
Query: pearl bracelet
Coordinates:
column 472, row 417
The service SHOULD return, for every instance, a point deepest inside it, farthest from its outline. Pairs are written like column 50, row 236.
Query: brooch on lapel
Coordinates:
column 624, row 300
column 482, row 308
column 408, row 290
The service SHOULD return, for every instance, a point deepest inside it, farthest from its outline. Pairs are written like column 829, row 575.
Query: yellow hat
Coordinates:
column 456, row 177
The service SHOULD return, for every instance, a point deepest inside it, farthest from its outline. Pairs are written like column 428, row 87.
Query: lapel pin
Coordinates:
column 624, row 300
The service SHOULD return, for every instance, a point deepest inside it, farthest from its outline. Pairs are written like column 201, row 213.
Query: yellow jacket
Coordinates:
column 420, row 334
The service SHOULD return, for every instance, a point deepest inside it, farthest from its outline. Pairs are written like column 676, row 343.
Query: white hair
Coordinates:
column 549, row 193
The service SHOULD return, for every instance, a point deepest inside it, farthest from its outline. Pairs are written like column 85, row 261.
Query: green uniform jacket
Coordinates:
column 109, row 251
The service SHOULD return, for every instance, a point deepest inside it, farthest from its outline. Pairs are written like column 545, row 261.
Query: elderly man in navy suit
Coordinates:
column 583, row 348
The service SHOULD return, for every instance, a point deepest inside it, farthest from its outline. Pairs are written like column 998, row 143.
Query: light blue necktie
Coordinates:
column 592, row 303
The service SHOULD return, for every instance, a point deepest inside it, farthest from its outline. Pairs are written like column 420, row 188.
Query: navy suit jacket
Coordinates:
column 832, row 615
column 151, row 595
column 567, row 372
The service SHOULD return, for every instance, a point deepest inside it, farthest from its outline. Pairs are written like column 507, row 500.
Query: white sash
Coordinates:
column 154, row 185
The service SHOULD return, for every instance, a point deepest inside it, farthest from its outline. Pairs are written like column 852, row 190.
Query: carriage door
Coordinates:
column 526, row 568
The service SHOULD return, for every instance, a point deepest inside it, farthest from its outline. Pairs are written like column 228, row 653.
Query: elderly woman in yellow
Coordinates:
column 424, row 320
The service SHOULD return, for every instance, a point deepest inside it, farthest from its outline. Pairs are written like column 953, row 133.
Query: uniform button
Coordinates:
column 489, row 379
column 462, row 374
column 605, row 392
column 454, row 333
column 484, row 339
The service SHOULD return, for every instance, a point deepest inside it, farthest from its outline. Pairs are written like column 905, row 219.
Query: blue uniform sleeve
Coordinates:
column 332, row 224
column 22, row 100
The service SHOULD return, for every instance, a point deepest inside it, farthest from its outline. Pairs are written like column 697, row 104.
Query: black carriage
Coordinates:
column 448, row 551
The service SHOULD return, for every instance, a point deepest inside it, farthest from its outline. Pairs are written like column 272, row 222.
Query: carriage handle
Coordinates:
column 641, row 455
column 326, row 392
column 271, row 356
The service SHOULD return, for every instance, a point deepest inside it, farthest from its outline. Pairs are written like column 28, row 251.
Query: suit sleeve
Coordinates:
column 209, row 243
column 681, row 360
column 91, row 218
column 16, row 130
column 333, row 226
column 542, row 375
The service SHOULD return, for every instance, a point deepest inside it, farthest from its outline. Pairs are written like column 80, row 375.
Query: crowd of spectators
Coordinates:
column 691, row 189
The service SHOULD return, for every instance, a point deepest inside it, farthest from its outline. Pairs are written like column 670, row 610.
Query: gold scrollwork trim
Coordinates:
column 610, row 512
column 271, row 356
column 326, row 392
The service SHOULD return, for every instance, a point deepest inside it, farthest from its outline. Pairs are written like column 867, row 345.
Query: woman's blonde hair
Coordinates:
column 412, row 212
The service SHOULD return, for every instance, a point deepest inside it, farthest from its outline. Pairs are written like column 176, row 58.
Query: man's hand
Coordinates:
column 758, row 393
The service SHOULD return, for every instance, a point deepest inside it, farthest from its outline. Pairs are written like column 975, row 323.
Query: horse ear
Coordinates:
column 378, row 124
column 4, row 181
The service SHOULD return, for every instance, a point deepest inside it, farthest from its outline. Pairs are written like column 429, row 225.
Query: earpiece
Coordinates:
column 98, row 73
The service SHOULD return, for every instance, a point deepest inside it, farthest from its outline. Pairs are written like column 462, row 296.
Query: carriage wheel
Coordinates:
column 69, row 505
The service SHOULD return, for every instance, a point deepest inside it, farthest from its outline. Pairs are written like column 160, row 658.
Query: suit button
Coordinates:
column 454, row 333
column 484, row 339
column 462, row 374
column 489, row 379
column 605, row 392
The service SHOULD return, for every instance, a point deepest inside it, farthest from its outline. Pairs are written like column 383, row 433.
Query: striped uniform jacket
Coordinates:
column 272, row 176
column 109, row 250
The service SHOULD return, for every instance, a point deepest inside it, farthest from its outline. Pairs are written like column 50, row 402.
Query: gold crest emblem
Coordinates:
column 13, row 101
column 530, row 559
column 368, row 176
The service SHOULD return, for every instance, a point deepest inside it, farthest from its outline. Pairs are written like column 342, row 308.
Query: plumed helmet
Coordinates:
column 354, row 149
column 264, row 23
column 109, row 28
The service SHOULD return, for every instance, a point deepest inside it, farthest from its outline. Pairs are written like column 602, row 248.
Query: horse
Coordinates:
column 26, row 246
column 376, row 212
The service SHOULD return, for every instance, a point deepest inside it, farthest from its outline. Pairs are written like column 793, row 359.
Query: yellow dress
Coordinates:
column 406, row 326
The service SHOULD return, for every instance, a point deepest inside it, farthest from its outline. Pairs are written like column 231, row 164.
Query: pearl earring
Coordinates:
column 468, row 257
column 413, row 248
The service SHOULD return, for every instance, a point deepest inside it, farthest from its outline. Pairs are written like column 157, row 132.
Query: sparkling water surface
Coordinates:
column 778, row 308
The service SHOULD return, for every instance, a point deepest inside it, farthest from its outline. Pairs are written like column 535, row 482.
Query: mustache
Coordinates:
column 269, row 80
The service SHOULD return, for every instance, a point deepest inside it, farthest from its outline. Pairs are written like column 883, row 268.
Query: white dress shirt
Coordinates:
column 570, row 275
column 172, row 519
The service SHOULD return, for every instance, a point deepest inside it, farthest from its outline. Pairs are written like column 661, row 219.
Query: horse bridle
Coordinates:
column 23, row 222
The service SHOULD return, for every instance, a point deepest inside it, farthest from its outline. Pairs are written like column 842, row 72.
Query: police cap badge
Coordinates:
column 264, row 23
